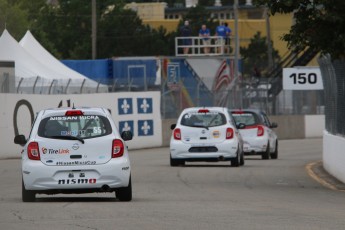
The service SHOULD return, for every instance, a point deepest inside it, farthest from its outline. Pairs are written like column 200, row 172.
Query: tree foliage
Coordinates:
column 197, row 16
column 13, row 17
column 255, row 56
column 65, row 30
column 319, row 24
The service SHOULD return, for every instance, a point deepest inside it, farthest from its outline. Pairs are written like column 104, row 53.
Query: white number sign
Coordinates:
column 302, row 78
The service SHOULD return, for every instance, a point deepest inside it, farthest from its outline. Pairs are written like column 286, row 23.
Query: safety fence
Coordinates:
column 333, row 74
column 182, row 87
column 288, row 102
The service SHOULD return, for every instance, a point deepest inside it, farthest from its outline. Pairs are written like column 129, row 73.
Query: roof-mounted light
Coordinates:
column 74, row 113
column 203, row 111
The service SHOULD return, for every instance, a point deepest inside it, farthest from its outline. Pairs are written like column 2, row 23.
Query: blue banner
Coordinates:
column 144, row 105
column 126, row 126
column 125, row 106
column 145, row 128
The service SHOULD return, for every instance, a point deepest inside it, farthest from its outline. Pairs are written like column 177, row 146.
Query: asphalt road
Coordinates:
column 264, row 194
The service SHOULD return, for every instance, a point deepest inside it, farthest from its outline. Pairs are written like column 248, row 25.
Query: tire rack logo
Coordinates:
column 44, row 150
column 55, row 151
column 77, row 181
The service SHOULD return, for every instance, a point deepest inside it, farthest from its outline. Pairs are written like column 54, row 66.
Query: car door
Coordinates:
column 272, row 137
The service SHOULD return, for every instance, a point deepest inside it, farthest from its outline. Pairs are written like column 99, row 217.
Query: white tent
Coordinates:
column 38, row 69
column 26, row 66
column 32, row 46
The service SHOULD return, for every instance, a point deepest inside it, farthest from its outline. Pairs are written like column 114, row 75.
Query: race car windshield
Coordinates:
column 248, row 119
column 203, row 120
column 82, row 127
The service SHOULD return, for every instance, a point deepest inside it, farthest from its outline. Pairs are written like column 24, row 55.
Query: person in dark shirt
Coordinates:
column 186, row 31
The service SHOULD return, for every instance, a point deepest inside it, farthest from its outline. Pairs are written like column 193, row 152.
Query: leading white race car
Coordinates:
column 206, row 134
column 75, row 150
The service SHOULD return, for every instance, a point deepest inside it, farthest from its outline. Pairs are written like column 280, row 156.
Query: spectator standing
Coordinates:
column 204, row 32
column 227, row 39
column 221, row 33
column 186, row 31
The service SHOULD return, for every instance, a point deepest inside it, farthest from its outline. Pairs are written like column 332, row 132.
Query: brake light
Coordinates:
column 33, row 151
column 203, row 111
column 237, row 112
column 229, row 133
column 74, row 113
column 118, row 148
column 261, row 131
column 177, row 134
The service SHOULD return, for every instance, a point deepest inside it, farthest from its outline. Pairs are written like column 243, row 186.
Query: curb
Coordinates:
column 319, row 174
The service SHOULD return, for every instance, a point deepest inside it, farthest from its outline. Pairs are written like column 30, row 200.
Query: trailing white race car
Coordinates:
column 258, row 135
column 75, row 150
column 206, row 134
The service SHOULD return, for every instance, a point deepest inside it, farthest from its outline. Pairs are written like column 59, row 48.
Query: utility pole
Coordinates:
column 268, row 39
column 237, row 49
column 94, row 29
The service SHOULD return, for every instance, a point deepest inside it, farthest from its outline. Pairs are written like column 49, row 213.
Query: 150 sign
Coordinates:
column 302, row 78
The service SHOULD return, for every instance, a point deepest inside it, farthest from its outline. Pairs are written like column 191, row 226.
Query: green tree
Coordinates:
column 197, row 16
column 13, row 18
column 319, row 24
column 255, row 56
column 66, row 28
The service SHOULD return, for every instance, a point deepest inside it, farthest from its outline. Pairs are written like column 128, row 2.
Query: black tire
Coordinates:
column 275, row 154
column 242, row 159
column 235, row 162
column 266, row 155
column 27, row 195
column 175, row 162
column 125, row 193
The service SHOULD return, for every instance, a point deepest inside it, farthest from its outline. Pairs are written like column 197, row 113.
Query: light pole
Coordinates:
column 94, row 29
column 237, row 49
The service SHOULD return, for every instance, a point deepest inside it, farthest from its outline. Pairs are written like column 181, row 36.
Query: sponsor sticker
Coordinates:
column 68, row 163
column 216, row 134
column 78, row 181
column 54, row 151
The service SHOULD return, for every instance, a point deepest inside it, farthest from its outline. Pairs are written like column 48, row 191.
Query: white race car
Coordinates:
column 75, row 150
column 206, row 134
column 258, row 135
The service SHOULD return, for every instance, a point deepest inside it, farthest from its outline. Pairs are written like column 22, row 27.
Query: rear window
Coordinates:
column 87, row 126
column 246, row 118
column 209, row 119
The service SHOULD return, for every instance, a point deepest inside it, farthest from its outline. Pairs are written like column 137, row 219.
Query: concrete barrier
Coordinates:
column 334, row 155
column 289, row 127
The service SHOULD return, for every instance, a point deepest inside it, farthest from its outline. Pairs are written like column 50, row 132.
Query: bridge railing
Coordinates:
column 196, row 47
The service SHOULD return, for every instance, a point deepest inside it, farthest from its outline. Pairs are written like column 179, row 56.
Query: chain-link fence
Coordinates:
column 243, row 95
column 333, row 74
column 192, row 90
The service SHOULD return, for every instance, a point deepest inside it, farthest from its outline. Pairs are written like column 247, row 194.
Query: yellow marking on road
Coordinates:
column 309, row 169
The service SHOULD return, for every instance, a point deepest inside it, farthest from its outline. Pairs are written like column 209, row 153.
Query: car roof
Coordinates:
column 257, row 111
column 62, row 110
column 192, row 109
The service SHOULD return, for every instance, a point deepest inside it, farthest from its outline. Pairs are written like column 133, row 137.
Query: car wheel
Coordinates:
column 27, row 195
column 174, row 162
column 235, row 162
column 275, row 154
column 266, row 155
column 242, row 159
column 125, row 193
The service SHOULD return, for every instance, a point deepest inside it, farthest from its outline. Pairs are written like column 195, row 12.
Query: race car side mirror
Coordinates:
column 20, row 140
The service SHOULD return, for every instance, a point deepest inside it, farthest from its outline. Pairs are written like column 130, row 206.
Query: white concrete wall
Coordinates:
column 29, row 104
column 334, row 155
column 314, row 125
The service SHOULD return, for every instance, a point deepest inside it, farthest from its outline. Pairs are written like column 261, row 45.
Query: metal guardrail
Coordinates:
column 196, row 48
